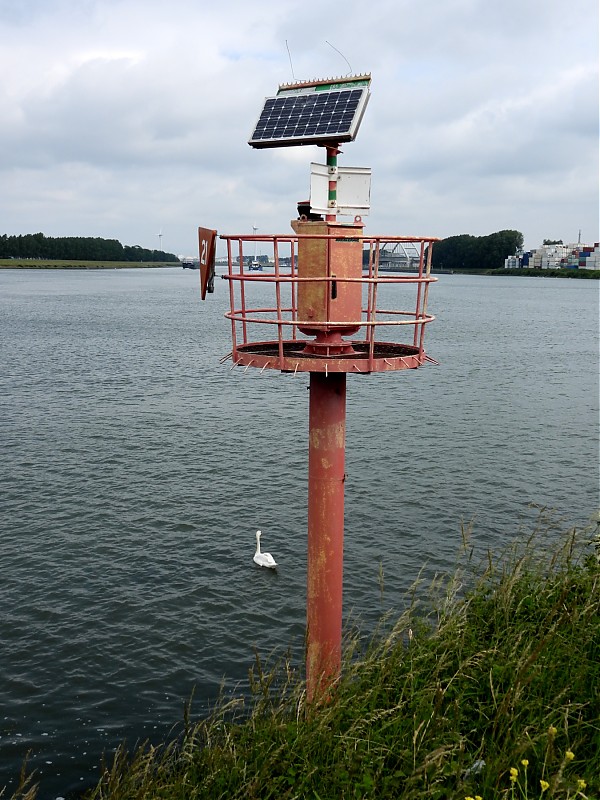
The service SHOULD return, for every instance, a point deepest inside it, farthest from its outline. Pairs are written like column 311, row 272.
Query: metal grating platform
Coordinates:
column 290, row 357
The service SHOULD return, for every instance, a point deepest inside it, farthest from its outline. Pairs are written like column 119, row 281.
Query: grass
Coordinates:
column 487, row 687
column 38, row 263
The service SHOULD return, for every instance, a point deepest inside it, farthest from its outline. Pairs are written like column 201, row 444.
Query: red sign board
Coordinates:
column 207, row 239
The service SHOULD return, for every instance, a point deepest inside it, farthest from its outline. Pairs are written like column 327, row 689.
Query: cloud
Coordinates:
column 122, row 117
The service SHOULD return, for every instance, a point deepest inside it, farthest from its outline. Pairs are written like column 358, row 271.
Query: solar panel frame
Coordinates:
column 313, row 114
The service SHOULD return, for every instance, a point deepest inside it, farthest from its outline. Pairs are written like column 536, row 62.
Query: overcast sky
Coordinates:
column 126, row 118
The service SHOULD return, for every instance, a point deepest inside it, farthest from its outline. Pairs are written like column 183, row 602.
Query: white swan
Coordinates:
column 263, row 559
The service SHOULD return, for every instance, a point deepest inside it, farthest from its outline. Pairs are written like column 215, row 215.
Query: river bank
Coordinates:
column 30, row 263
column 546, row 273
column 477, row 693
column 27, row 263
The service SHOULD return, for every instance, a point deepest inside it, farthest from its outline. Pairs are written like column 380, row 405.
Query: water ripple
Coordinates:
column 136, row 470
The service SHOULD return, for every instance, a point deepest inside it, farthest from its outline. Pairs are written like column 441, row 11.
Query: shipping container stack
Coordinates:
column 557, row 256
column 583, row 256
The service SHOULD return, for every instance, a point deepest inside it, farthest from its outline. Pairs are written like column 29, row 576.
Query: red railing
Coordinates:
column 290, row 350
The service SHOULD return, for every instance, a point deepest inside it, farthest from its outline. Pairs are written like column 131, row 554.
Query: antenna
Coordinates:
column 290, row 57
column 159, row 234
column 342, row 55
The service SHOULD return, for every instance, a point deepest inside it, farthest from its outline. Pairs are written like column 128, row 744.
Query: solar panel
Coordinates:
column 312, row 113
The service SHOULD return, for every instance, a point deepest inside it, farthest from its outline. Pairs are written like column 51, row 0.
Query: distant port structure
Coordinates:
column 557, row 256
column 400, row 257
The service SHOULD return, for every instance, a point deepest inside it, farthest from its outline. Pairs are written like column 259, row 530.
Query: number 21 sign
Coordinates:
column 207, row 243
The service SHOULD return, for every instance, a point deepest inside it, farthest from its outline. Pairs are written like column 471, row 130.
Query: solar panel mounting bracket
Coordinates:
column 353, row 190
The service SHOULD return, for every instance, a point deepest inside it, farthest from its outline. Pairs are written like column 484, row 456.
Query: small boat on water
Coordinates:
column 255, row 265
column 189, row 265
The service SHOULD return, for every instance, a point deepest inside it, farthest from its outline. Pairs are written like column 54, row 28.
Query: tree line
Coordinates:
column 68, row 248
column 466, row 252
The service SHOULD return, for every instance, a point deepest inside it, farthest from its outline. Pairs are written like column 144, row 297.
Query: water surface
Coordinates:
column 136, row 469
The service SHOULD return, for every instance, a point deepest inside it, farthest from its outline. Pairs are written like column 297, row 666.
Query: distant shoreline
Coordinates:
column 30, row 263
column 545, row 273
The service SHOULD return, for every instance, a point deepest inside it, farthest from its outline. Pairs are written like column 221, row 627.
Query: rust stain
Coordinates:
column 316, row 438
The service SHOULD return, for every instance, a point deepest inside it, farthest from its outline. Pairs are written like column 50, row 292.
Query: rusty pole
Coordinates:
column 326, row 456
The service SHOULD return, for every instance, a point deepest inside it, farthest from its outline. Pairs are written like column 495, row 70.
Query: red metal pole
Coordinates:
column 326, row 456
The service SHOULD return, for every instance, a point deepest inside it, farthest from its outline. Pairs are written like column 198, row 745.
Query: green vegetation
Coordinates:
column 69, row 248
column 492, row 691
column 467, row 253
